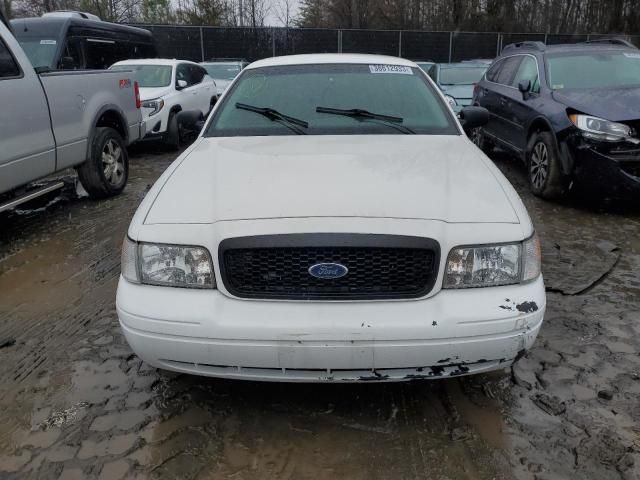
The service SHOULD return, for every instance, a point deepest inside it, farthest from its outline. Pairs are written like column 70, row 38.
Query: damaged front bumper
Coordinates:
column 456, row 332
column 613, row 170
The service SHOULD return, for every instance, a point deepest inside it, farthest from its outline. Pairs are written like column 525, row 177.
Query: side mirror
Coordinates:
column 473, row 117
column 524, row 86
column 180, row 84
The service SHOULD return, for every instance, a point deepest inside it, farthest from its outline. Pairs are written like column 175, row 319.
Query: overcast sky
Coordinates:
column 272, row 19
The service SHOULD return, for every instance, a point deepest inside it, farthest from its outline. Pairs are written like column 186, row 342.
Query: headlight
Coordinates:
column 452, row 101
column 493, row 265
column 167, row 265
column 155, row 105
column 600, row 129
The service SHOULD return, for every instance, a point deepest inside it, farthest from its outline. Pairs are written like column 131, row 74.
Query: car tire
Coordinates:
column 172, row 140
column 106, row 171
column 481, row 141
column 544, row 170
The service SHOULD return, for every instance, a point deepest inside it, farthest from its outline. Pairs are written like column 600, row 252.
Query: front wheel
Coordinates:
column 544, row 170
column 106, row 171
column 480, row 140
column 172, row 140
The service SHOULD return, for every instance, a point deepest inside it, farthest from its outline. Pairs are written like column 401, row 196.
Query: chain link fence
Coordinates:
column 204, row 43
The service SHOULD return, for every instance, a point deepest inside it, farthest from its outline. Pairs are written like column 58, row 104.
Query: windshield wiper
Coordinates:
column 390, row 121
column 291, row 123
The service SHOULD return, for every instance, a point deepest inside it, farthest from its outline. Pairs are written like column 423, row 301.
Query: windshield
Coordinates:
column 461, row 75
column 594, row 70
column 41, row 53
column 149, row 76
column 425, row 65
column 222, row 71
column 304, row 98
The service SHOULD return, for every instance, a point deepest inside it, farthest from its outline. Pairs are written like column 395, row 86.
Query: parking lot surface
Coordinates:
column 75, row 402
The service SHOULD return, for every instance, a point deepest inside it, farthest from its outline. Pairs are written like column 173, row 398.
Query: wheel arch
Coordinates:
column 541, row 124
column 111, row 116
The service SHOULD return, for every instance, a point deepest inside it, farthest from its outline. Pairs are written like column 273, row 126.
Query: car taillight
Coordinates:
column 136, row 91
column 476, row 88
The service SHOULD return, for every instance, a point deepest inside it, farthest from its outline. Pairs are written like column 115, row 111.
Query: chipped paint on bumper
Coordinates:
column 452, row 333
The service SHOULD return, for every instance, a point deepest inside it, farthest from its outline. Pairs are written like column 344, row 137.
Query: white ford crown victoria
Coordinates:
column 332, row 222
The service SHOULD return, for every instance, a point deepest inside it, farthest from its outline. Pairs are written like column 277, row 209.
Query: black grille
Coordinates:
column 384, row 267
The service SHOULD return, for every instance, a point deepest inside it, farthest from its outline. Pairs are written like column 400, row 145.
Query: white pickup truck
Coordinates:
column 51, row 121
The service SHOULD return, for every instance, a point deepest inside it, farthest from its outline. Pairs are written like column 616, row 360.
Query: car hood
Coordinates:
column 615, row 104
column 458, row 91
column 151, row 93
column 388, row 176
column 222, row 84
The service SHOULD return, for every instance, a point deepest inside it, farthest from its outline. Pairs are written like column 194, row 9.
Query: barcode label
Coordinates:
column 391, row 69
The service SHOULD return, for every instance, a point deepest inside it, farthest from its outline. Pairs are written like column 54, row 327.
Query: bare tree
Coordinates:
column 284, row 11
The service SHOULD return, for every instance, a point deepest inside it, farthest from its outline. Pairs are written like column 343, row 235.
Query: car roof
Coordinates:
column 329, row 58
column 154, row 61
column 58, row 23
column 462, row 65
column 539, row 47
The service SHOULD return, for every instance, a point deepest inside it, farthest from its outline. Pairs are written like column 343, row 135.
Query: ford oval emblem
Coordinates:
column 328, row 271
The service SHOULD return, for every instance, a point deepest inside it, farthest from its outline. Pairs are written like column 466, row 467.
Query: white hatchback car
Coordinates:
column 168, row 87
column 318, row 230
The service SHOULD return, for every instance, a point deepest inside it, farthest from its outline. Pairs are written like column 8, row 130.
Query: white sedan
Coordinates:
column 320, row 231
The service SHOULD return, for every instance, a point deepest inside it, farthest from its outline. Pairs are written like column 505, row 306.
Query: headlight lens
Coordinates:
column 493, row 265
column 452, row 101
column 176, row 266
column 167, row 265
column 600, row 129
column 155, row 105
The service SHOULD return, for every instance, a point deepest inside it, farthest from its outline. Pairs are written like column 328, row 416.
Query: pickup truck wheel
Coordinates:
column 172, row 141
column 544, row 170
column 106, row 171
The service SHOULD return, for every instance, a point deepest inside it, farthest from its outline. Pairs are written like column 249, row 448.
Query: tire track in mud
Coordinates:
column 77, row 238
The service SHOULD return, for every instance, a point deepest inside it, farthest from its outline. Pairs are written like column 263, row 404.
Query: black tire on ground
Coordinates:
column 481, row 141
column 106, row 171
column 172, row 140
column 544, row 170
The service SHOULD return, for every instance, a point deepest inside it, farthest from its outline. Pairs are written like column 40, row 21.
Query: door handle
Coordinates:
column 503, row 101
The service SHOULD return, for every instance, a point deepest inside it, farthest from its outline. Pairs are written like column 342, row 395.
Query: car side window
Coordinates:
column 183, row 72
column 492, row 73
column 71, row 58
column 509, row 67
column 432, row 73
column 8, row 66
column 528, row 70
column 197, row 74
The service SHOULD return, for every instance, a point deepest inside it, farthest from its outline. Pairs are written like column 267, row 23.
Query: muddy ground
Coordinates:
column 76, row 403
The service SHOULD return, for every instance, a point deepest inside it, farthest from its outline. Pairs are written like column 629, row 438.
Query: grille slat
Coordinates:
column 374, row 271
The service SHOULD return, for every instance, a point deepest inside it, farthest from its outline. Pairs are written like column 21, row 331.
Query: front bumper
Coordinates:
column 614, row 172
column 454, row 332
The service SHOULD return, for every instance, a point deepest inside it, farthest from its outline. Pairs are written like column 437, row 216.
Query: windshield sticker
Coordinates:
column 391, row 69
column 632, row 55
column 48, row 42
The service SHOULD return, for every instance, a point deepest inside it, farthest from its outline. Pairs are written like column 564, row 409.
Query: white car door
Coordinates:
column 205, row 88
column 188, row 99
